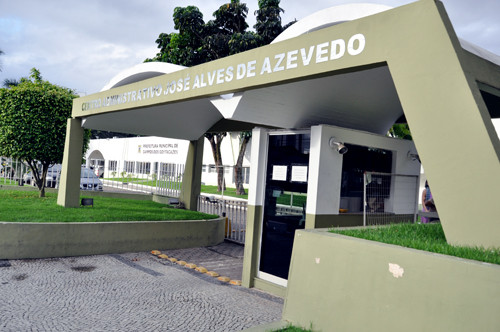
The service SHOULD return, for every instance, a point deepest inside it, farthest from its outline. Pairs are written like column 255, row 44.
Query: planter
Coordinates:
column 348, row 284
column 43, row 240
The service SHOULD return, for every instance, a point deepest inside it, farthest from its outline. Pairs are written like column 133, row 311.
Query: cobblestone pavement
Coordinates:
column 124, row 292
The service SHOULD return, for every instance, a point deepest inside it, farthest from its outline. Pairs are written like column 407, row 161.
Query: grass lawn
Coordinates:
column 26, row 206
column 428, row 237
column 230, row 192
column 8, row 182
column 205, row 189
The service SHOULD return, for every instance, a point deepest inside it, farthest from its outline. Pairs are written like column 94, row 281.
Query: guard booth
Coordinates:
column 302, row 178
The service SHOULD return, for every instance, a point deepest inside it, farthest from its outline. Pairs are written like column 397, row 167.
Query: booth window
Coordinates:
column 356, row 162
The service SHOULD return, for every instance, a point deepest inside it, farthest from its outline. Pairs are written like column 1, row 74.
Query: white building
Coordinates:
column 156, row 156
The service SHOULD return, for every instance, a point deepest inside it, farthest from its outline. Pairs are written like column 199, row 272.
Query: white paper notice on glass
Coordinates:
column 299, row 173
column 279, row 172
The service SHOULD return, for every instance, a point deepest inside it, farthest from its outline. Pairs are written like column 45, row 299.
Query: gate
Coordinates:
column 235, row 212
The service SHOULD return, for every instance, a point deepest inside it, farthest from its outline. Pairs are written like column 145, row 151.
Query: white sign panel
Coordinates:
column 299, row 173
column 279, row 172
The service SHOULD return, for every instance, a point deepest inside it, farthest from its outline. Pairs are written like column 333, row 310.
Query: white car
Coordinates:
column 51, row 179
column 89, row 181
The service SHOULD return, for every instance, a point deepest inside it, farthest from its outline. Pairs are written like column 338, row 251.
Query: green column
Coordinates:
column 450, row 124
column 69, row 184
column 191, row 181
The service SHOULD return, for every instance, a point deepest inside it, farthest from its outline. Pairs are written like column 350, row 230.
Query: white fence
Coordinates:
column 234, row 210
column 12, row 171
column 167, row 180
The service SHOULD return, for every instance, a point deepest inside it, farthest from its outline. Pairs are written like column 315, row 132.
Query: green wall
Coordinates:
column 43, row 240
column 340, row 283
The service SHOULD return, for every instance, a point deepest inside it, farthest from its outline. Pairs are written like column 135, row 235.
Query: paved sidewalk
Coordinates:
column 127, row 292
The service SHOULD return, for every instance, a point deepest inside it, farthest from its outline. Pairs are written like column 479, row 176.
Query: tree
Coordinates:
column 215, row 140
column 198, row 42
column 10, row 82
column 400, row 130
column 33, row 118
column 238, row 169
column 268, row 23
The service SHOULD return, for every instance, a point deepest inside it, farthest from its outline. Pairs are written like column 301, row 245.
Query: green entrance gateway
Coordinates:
column 332, row 79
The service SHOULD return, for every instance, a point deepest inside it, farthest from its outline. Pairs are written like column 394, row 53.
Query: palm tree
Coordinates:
column 10, row 82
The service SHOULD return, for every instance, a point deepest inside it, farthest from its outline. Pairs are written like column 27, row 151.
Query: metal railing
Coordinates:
column 235, row 212
column 389, row 198
column 12, row 171
column 167, row 181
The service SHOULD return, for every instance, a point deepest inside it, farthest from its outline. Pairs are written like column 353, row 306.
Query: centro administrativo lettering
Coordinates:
column 319, row 53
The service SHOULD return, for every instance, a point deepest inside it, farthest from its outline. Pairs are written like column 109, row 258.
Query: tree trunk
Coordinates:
column 37, row 178
column 238, row 169
column 215, row 142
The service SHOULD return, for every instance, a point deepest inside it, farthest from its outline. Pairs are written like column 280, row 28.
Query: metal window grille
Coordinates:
column 389, row 198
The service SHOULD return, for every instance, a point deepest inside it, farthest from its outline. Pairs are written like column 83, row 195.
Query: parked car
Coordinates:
column 89, row 181
column 50, row 181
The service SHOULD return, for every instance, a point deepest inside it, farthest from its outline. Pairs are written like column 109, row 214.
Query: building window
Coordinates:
column 112, row 165
column 246, row 175
column 129, row 166
column 212, row 168
column 167, row 169
column 143, row 167
column 203, row 168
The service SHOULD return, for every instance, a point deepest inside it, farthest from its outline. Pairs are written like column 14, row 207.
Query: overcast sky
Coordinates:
column 83, row 44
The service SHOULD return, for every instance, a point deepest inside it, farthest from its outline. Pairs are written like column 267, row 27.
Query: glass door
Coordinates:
column 285, row 202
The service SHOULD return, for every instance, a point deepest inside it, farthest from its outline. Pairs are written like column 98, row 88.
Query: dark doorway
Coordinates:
column 285, row 200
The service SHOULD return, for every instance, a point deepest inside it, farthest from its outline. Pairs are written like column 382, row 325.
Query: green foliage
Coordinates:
column 400, row 130
column 10, row 82
column 429, row 237
column 230, row 192
column 198, row 42
column 268, row 23
column 33, row 118
column 24, row 206
column 231, row 17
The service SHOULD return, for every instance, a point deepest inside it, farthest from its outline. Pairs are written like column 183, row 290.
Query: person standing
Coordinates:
column 427, row 203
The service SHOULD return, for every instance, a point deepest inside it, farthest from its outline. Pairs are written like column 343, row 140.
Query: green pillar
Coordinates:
column 69, row 184
column 191, row 181
column 255, row 207
column 450, row 124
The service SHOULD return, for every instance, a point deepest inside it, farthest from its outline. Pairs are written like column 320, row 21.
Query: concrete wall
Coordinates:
column 347, row 284
column 43, row 240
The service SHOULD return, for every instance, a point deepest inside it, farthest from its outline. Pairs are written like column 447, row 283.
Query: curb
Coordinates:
column 193, row 266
